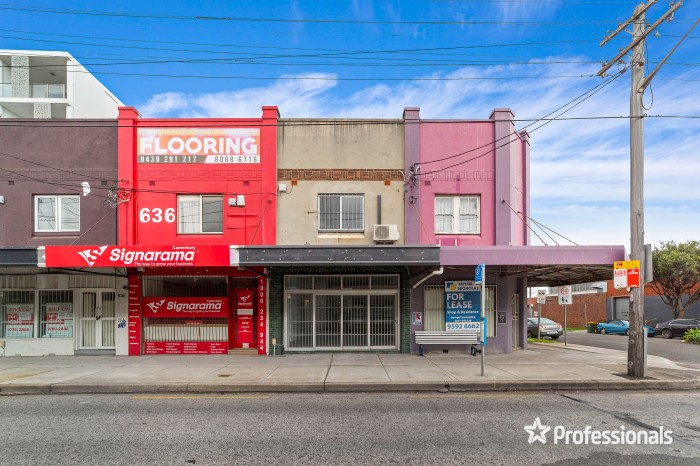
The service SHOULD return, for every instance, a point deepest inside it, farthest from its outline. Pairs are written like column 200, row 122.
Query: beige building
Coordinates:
column 340, row 182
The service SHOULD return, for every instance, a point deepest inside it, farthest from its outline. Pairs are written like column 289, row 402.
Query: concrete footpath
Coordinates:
column 541, row 367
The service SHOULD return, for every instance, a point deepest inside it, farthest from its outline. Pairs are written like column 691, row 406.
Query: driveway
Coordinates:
column 676, row 349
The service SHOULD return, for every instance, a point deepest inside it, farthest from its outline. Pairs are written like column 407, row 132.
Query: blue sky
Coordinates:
column 453, row 59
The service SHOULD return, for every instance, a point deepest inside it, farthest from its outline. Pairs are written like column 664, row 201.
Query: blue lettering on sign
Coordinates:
column 462, row 303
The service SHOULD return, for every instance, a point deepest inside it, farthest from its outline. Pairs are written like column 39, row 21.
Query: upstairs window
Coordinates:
column 56, row 213
column 341, row 212
column 459, row 215
column 200, row 214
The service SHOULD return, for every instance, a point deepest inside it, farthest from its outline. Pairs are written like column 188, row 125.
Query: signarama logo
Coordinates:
column 155, row 305
column 91, row 255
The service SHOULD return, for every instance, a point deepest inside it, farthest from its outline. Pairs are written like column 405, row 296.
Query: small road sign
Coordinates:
column 565, row 295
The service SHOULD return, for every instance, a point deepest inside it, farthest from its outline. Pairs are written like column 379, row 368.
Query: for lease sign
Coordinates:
column 198, row 145
column 462, row 306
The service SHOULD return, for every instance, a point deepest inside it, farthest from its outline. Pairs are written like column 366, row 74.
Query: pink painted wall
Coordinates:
column 439, row 139
column 519, row 195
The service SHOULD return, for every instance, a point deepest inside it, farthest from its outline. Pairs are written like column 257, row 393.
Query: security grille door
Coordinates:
column 382, row 320
column 328, row 321
column 98, row 320
column 300, row 315
column 355, row 320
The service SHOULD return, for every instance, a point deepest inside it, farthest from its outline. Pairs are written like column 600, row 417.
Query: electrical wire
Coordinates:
column 67, row 11
column 531, row 131
column 515, row 133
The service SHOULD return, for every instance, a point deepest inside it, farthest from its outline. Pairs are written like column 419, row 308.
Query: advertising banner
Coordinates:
column 185, row 347
column 262, row 315
column 59, row 320
column 462, row 306
column 197, row 145
column 134, row 315
column 244, row 317
column 185, row 307
column 20, row 321
column 136, row 256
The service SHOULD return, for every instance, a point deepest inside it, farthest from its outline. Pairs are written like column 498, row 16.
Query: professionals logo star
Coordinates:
column 537, row 427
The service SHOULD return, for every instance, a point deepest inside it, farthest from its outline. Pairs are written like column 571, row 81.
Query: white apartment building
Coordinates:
column 41, row 84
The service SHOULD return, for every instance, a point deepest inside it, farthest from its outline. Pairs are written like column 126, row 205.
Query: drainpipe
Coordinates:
column 431, row 274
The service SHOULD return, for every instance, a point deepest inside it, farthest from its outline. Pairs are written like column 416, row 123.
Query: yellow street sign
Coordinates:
column 626, row 265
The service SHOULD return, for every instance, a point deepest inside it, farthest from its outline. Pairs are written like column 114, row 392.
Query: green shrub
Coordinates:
column 692, row 336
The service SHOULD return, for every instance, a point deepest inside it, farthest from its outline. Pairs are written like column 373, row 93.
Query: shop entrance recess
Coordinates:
column 97, row 320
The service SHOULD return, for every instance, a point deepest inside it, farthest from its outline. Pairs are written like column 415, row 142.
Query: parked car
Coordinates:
column 620, row 327
column 548, row 328
column 676, row 327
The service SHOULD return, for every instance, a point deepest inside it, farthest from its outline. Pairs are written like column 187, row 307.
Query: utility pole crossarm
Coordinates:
column 622, row 26
column 639, row 38
column 646, row 81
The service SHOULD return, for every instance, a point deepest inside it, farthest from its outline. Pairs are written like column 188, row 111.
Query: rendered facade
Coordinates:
column 43, row 84
column 265, row 234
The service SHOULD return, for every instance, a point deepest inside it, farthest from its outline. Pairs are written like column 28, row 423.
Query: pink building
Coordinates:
column 468, row 191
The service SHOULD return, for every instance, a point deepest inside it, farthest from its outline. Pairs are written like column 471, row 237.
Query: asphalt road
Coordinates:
column 675, row 350
column 281, row 429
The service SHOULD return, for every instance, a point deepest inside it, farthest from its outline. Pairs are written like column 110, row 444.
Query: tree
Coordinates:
column 677, row 273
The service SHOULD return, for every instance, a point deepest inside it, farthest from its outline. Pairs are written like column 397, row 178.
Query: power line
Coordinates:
column 508, row 136
column 8, row 122
column 606, row 83
column 66, row 11
column 329, row 52
column 82, row 175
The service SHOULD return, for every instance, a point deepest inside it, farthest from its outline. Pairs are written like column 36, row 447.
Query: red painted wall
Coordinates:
column 147, row 186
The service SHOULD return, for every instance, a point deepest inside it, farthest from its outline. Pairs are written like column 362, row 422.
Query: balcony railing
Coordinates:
column 49, row 91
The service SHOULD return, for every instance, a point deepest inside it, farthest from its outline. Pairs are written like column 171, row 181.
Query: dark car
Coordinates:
column 676, row 327
column 548, row 328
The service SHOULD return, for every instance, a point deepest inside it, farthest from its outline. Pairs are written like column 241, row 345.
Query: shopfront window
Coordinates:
column 56, row 314
column 434, row 304
column 341, row 312
column 17, row 314
column 182, row 313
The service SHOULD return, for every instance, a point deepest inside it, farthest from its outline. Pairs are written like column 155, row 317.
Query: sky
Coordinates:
column 455, row 59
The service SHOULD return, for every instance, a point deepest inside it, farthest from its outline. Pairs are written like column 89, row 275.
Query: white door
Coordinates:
column 515, row 312
column 98, row 320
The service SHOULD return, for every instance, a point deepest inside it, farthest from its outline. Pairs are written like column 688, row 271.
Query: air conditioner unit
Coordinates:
column 386, row 233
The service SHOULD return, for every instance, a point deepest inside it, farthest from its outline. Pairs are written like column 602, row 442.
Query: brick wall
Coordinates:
column 591, row 307
column 276, row 296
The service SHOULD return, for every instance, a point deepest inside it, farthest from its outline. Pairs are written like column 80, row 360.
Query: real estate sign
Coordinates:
column 462, row 306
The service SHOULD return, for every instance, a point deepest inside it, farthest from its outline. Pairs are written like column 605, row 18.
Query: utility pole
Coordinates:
column 640, row 30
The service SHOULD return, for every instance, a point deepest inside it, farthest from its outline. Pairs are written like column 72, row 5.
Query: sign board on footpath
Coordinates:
column 541, row 296
column 462, row 306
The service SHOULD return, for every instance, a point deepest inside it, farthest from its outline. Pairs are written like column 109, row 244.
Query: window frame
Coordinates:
column 456, row 200
column 201, row 214
column 58, row 199
column 341, row 229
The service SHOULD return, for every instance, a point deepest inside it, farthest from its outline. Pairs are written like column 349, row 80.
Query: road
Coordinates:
column 676, row 349
column 280, row 429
